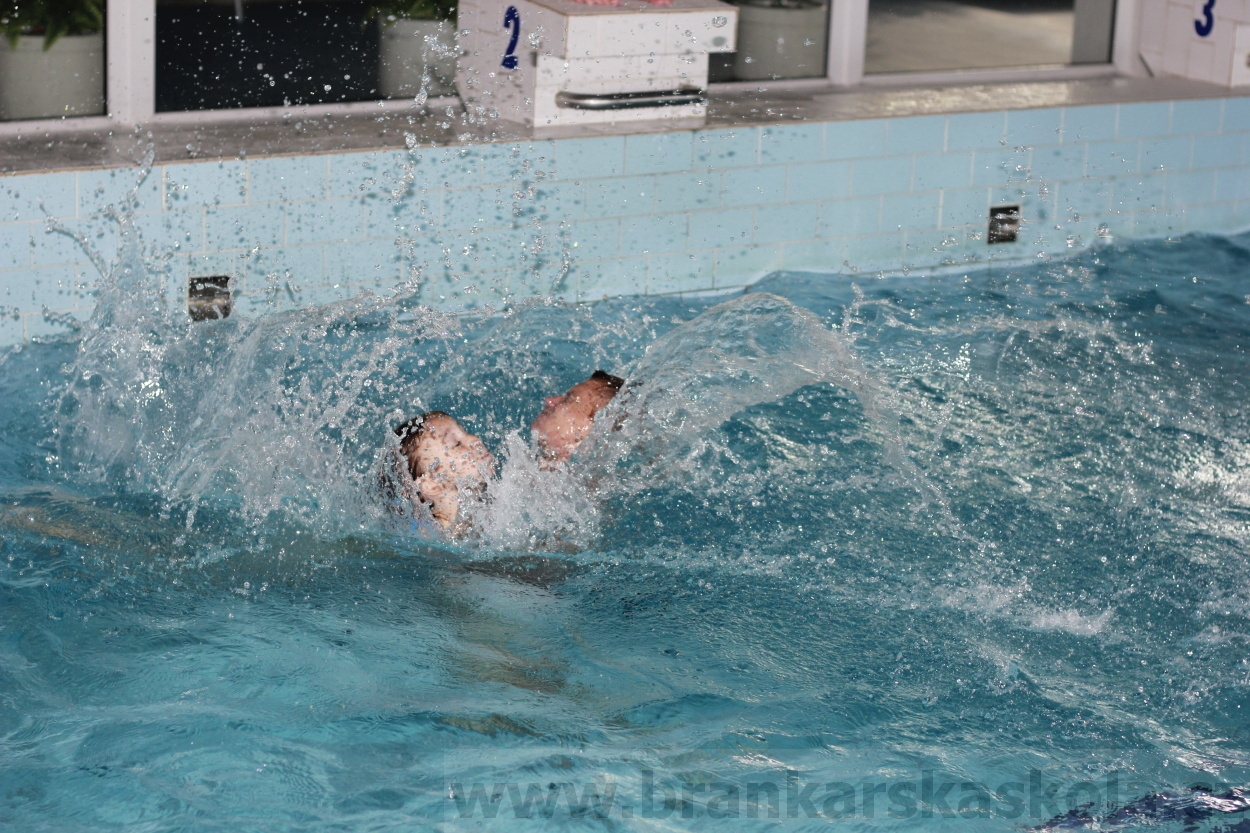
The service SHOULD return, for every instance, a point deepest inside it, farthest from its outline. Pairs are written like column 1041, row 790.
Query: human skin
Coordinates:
column 449, row 459
column 566, row 420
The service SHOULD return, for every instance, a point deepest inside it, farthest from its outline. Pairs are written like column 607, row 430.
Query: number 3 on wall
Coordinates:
column 1203, row 27
column 512, row 18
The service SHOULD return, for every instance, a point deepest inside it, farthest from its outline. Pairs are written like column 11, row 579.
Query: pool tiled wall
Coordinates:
column 648, row 213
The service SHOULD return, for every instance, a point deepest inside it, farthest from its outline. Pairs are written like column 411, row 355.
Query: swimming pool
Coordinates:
column 967, row 549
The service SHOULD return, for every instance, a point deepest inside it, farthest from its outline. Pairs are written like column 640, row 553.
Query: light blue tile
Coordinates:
column 745, row 265
column 32, row 290
column 205, row 184
column 782, row 144
column 947, row 170
column 486, row 207
column 783, row 223
column 855, row 139
column 910, row 211
column 816, row 181
column 975, row 131
column 290, row 178
column 1084, row 197
column 98, row 190
column 880, row 176
column 271, row 269
column 559, row 198
column 1153, row 223
column 1030, row 128
column 813, row 255
column 182, row 231
column 1233, row 185
column 1199, row 116
column 842, row 218
column 1236, row 115
column 684, row 272
column 15, row 245
column 382, row 173
column 741, row 187
column 1190, row 188
column 964, row 207
column 243, row 227
column 497, row 249
column 1137, row 121
column 650, row 153
column 917, row 134
column 39, row 325
column 1220, row 151
column 36, row 196
column 928, row 248
column 1138, row 193
column 714, row 229
column 1170, row 154
column 652, row 234
column 496, row 164
column 323, row 221
column 685, row 191
column 356, row 261
column 589, row 158
column 382, row 218
column 1213, row 218
column 1000, row 167
column 611, row 278
column 12, row 332
column 619, row 197
column 598, row 239
column 53, row 247
column 1059, row 161
column 230, row 264
column 1112, row 158
column 733, row 148
column 1089, row 124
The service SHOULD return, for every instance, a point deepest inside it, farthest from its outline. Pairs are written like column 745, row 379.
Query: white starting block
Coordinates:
column 558, row 62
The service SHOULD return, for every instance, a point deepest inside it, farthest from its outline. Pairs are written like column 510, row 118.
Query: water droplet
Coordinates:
column 719, row 21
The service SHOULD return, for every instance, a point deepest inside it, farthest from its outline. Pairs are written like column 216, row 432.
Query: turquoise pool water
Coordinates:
column 966, row 550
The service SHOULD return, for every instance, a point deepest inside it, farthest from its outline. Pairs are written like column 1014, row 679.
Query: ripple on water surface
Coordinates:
column 875, row 549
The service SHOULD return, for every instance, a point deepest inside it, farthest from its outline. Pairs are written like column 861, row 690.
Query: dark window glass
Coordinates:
column 261, row 53
column 928, row 35
column 777, row 39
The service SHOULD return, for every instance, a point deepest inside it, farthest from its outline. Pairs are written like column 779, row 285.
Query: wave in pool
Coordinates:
column 893, row 551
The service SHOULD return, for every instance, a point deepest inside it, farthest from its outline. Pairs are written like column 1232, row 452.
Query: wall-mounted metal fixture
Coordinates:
column 208, row 298
column 1004, row 224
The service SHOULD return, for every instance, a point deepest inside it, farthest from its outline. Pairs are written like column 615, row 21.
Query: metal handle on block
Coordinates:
column 628, row 101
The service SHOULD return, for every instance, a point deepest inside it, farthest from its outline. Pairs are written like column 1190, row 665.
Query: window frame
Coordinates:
column 130, row 73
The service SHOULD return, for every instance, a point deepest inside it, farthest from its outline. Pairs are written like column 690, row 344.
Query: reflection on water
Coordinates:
column 885, row 550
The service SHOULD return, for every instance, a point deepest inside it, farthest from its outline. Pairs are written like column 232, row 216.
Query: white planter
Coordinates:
column 67, row 80
column 780, row 39
column 407, row 48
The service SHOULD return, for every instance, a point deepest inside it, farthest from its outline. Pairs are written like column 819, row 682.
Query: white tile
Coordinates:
column 1179, row 33
column 1153, row 20
column 1240, row 62
column 1201, row 64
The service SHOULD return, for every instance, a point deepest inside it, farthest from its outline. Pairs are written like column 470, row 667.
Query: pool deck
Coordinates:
column 313, row 130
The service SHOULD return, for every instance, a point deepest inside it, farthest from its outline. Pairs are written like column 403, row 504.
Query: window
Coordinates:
column 929, row 35
column 171, row 56
column 777, row 39
column 51, row 58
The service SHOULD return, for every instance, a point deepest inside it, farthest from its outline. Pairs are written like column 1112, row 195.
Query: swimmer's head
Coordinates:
column 566, row 420
column 443, row 458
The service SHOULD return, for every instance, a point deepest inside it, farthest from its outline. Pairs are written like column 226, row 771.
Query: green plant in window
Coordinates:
column 50, row 18
column 388, row 11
